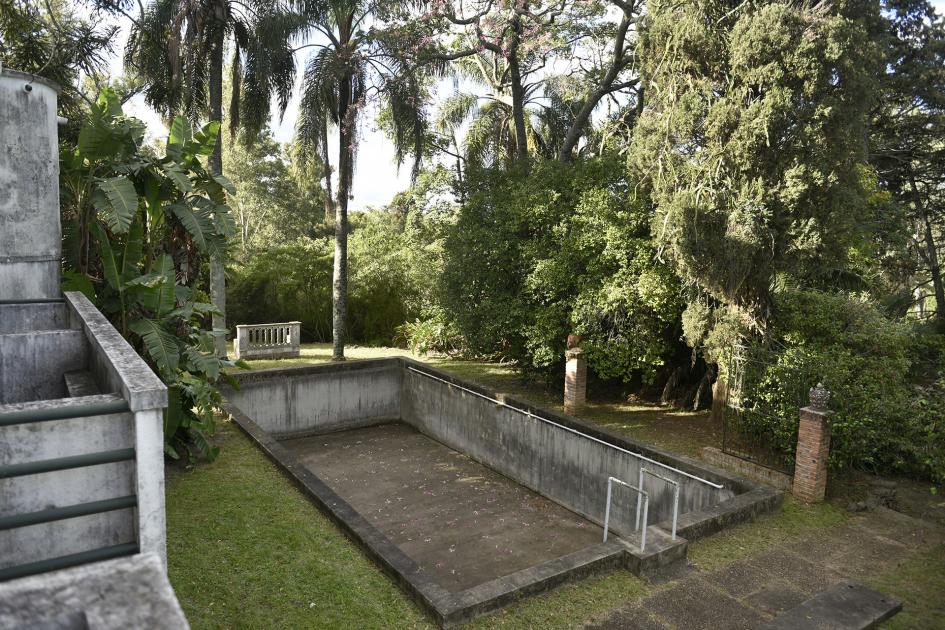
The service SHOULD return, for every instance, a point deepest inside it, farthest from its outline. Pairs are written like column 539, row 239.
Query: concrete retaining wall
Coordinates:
column 567, row 468
column 320, row 399
column 32, row 364
column 30, row 240
column 21, row 318
column 23, row 443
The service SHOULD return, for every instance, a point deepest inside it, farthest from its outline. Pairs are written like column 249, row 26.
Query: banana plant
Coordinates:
column 138, row 225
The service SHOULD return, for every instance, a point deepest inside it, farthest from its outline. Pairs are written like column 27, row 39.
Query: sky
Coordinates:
column 376, row 179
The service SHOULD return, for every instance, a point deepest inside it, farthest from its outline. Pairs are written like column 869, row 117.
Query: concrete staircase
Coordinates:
column 71, row 478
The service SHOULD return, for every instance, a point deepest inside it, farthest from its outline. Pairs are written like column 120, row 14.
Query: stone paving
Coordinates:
column 748, row 592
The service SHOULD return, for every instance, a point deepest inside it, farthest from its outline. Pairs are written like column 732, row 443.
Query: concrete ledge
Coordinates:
column 846, row 606
column 116, row 594
column 761, row 474
column 739, row 509
column 112, row 359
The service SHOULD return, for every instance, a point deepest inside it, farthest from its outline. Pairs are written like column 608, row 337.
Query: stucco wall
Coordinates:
column 570, row 469
column 321, row 398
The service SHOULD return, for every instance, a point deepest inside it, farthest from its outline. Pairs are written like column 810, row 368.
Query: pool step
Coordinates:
column 846, row 606
column 80, row 383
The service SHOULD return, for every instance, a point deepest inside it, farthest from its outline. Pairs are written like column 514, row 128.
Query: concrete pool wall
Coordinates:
column 558, row 456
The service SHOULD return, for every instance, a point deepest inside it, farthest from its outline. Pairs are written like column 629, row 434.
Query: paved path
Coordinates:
column 748, row 592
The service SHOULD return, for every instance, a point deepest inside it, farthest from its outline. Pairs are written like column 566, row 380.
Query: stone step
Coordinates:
column 33, row 316
column 81, row 383
column 846, row 606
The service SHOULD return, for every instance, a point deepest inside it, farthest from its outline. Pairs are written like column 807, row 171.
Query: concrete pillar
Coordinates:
column 813, row 448
column 149, row 482
column 30, row 244
column 575, row 381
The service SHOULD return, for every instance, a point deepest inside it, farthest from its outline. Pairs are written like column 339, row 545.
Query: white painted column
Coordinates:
column 149, row 453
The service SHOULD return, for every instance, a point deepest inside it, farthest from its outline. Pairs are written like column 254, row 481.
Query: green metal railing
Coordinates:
column 63, row 412
column 64, row 562
column 66, row 463
column 69, row 511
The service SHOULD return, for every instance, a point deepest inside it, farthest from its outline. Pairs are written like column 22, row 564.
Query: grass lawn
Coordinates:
column 246, row 549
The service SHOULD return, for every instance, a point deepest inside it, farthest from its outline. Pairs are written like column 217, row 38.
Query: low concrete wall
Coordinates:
column 32, row 364
column 24, row 443
column 322, row 398
column 567, row 468
column 767, row 476
column 30, row 317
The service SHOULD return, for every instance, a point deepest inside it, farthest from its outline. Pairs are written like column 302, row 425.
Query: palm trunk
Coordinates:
column 217, row 269
column 339, row 285
column 329, row 196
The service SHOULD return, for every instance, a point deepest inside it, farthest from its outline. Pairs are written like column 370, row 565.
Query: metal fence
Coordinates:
column 762, row 408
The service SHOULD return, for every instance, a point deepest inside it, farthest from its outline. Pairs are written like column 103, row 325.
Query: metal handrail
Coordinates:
column 63, row 412
column 566, row 428
column 642, row 478
column 646, row 505
column 70, row 511
column 71, row 560
column 65, row 463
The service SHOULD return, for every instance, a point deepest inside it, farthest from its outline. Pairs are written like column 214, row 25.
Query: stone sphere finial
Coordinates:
column 574, row 341
column 819, row 397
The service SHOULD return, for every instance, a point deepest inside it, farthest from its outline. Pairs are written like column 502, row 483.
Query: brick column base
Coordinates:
column 575, row 381
column 813, row 450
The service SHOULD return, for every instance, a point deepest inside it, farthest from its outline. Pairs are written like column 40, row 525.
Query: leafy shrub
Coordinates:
column 136, row 229
column 293, row 283
column 881, row 420
column 533, row 257
column 434, row 334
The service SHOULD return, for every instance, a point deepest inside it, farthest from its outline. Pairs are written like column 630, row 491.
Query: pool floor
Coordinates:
column 459, row 521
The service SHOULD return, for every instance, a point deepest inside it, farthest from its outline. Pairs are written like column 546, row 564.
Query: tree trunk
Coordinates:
column 518, row 91
column 935, row 269
column 329, row 195
column 339, row 285
column 217, row 269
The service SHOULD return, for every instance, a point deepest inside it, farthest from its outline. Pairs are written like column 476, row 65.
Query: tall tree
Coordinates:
column 53, row 40
column 751, row 141
column 907, row 144
column 357, row 66
column 178, row 47
column 526, row 51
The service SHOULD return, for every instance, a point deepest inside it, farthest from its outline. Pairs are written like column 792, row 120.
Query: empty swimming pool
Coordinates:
column 470, row 499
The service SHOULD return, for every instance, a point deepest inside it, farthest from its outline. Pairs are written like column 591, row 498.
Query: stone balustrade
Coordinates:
column 268, row 341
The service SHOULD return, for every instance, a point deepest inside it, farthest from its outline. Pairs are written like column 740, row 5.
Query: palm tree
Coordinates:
column 177, row 47
column 357, row 65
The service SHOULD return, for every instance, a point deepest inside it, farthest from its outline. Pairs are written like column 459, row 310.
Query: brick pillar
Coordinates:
column 575, row 381
column 813, row 449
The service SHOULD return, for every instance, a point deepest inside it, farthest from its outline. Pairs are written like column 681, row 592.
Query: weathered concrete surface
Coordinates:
column 24, row 545
column 771, row 580
column 556, row 463
column 29, row 442
column 32, row 365
column 29, row 317
column 846, row 606
column 459, row 521
column 114, row 595
column 115, row 364
column 29, row 194
column 318, row 399
column 761, row 474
